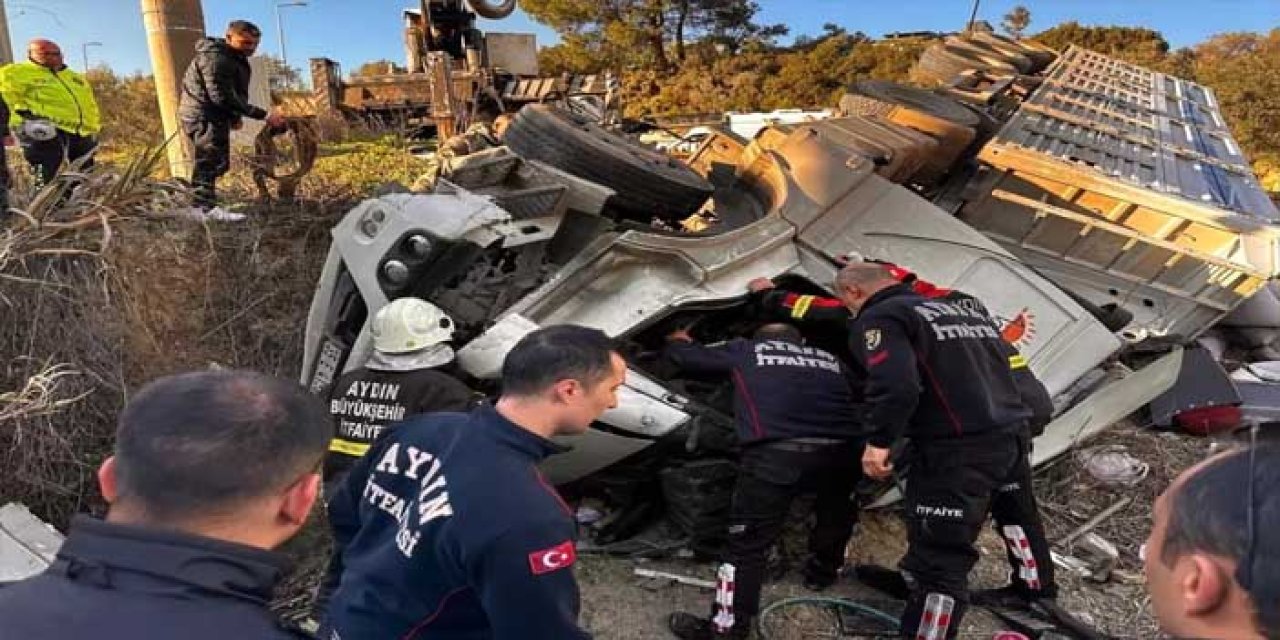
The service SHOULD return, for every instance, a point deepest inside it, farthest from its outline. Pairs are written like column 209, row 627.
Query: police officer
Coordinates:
column 446, row 528
column 799, row 429
column 55, row 116
column 1014, row 508
column 402, row 378
column 938, row 373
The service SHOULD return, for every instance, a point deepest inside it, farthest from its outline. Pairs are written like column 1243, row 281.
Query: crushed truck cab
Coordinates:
column 1078, row 252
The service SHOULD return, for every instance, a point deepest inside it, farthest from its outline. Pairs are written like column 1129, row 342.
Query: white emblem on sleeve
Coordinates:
column 872, row 338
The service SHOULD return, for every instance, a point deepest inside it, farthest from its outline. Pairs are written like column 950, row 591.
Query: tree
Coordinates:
column 377, row 68
column 282, row 77
column 1016, row 21
column 1243, row 69
column 1132, row 44
column 130, row 113
column 640, row 33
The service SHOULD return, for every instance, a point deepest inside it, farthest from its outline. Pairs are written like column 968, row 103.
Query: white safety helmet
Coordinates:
column 410, row 324
column 37, row 130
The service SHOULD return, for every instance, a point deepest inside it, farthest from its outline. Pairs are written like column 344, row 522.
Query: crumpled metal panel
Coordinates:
column 1145, row 128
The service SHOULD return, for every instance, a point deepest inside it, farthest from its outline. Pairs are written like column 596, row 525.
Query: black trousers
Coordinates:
column 47, row 157
column 1017, row 520
column 952, row 487
column 770, row 478
column 5, row 182
column 211, row 147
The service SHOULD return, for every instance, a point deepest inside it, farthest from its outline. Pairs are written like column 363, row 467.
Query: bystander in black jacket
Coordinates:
column 215, row 97
column 123, row 582
column 216, row 85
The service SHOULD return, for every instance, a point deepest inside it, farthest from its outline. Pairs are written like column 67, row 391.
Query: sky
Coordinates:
column 357, row 31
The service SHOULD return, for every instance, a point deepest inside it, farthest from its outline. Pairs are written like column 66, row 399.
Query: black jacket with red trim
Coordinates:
column 802, row 308
column 933, row 369
column 448, row 530
column 782, row 389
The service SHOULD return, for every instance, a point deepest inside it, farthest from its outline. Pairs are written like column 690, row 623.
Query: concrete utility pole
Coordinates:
column 6, row 45
column 173, row 29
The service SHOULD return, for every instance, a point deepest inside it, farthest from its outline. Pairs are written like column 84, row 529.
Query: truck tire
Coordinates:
column 979, row 59
column 647, row 183
column 985, row 50
column 941, row 63
column 882, row 97
column 492, row 10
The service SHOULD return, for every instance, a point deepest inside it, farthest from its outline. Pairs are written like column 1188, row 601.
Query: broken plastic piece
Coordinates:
column 1112, row 464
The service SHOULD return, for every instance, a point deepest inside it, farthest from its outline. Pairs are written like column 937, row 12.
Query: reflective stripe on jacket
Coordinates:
column 63, row 97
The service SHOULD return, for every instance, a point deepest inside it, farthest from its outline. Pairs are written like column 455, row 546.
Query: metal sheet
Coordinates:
column 591, row 452
column 820, row 184
column 1201, row 383
column 27, row 545
column 1141, row 127
column 515, row 53
column 1107, row 406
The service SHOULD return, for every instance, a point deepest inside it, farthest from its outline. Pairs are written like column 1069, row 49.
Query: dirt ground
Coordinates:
column 617, row 605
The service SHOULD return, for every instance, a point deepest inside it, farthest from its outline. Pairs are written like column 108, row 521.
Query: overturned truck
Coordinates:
column 1096, row 207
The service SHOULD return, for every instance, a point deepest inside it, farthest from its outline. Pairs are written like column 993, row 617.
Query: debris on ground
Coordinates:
column 619, row 605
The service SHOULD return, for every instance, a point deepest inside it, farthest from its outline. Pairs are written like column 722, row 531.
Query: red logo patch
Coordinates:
column 553, row 559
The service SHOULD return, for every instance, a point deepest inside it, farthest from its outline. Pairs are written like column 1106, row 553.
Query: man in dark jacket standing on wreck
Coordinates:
column 211, row 471
column 215, row 100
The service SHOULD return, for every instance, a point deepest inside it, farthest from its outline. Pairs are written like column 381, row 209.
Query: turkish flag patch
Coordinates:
column 553, row 559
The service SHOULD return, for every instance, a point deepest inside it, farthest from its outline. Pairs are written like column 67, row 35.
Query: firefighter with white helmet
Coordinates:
column 406, row 375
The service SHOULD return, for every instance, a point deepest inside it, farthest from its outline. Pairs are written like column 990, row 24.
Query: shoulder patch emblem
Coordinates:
column 558, row 557
column 872, row 339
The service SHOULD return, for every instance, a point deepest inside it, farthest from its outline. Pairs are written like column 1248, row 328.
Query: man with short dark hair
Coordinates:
column 446, row 529
column 939, row 374
column 215, row 100
column 1213, row 558
column 798, row 424
column 211, row 470
column 54, row 113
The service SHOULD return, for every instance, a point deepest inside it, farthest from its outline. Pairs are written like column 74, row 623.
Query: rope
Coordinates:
column 266, row 156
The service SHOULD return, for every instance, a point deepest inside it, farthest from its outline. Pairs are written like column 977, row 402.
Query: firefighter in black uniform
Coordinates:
column 407, row 375
column 447, row 529
column 799, row 430
column 1014, row 509
column 938, row 373
column 404, row 377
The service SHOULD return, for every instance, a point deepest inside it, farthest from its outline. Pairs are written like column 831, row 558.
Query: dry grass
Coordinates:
column 103, row 289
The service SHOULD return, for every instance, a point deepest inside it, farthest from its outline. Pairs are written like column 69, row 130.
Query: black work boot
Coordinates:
column 687, row 626
column 884, row 580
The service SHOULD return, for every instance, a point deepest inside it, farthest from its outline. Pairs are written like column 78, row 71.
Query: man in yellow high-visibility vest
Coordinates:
column 54, row 114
